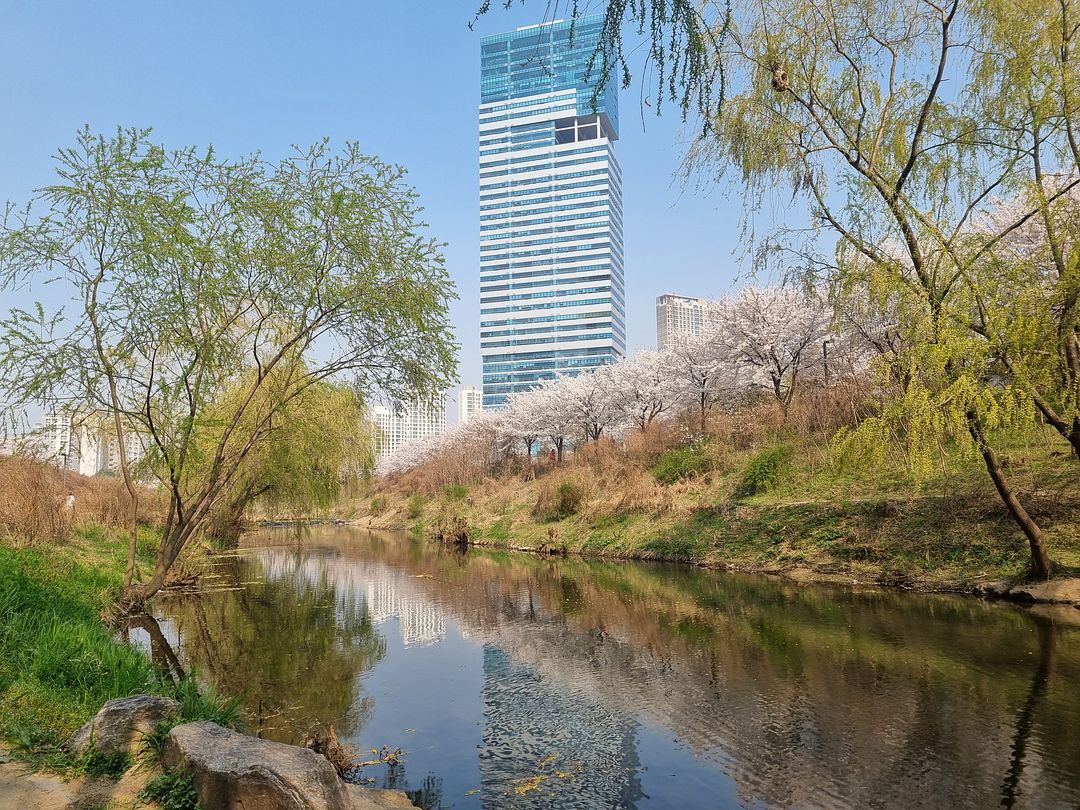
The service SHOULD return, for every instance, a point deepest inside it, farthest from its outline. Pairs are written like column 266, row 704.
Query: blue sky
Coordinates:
column 400, row 76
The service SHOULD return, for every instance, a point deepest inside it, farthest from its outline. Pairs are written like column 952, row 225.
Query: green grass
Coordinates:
column 764, row 472
column 456, row 492
column 682, row 462
column 58, row 661
column 174, row 790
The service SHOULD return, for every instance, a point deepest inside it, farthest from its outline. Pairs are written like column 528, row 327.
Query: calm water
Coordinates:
column 514, row 681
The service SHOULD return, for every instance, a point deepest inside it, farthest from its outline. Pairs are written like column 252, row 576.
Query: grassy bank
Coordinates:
column 783, row 503
column 58, row 661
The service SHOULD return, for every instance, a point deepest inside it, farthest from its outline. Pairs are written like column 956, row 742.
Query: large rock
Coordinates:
column 122, row 724
column 1055, row 591
column 364, row 798
column 238, row 772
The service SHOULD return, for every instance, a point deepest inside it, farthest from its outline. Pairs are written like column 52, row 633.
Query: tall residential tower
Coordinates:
column 551, row 255
column 679, row 317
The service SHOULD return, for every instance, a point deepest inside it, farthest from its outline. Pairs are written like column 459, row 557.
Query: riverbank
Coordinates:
column 812, row 523
column 59, row 662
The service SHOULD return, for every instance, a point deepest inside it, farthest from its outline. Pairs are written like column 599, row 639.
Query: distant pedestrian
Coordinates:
column 67, row 513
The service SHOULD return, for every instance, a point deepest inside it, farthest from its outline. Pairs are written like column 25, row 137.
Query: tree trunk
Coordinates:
column 1041, row 567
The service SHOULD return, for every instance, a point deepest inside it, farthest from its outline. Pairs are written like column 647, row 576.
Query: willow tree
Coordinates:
column 872, row 114
column 187, row 274
column 312, row 450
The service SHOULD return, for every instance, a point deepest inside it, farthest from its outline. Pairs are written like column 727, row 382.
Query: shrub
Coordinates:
column 560, row 501
column 415, row 505
column 174, row 790
column 378, row 506
column 683, row 462
column 764, row 471
column 456, row 492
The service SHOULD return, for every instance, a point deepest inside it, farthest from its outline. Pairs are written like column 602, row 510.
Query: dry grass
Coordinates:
column 33, row 501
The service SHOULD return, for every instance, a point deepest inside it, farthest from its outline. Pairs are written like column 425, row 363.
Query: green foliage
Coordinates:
column 415, row 506
column 683, row 462
column 173, row 790
column 198, row 703
column 456, row 492
column 377, row 506
column 320, row 442
column 246, row 286
column 764, row 471
column 568, row 498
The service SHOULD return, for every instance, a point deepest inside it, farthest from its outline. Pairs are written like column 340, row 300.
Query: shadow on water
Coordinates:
column 518, row 681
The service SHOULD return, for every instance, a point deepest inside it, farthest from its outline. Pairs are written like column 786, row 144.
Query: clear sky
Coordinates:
column 399, row 76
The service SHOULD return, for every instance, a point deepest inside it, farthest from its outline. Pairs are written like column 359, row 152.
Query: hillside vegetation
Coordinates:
column 757, row 492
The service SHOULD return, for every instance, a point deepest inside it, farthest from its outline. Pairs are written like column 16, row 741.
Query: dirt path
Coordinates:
column 22, row 789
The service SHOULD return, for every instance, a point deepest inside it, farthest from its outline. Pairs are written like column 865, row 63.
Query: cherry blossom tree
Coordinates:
column 775, row 336
column 702, row 374
column 643, row 387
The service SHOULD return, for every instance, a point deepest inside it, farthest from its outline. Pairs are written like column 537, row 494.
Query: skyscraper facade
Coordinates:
column 551, row 240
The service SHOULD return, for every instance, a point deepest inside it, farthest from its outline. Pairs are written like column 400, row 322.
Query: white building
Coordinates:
column 678, row 316
column 86, row 446
column 470, row 402
column 421, row 418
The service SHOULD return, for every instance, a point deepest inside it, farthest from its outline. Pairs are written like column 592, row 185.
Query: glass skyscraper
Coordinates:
column 551, row 258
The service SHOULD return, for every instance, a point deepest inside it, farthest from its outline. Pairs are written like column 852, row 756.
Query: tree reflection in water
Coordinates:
column 289, row 645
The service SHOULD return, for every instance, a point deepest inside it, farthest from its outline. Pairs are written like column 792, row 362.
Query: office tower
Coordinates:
column 469, row 403
column 551, row 258
column 678, row 317
column 420, row 418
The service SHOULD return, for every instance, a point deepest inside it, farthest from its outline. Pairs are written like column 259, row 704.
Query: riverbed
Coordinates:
column 512, row 680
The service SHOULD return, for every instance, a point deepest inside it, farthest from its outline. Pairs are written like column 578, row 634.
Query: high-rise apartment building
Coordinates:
column 87, row 445
column 551, row 240
column 678, row 316
column 469, row 403
column 420, row 418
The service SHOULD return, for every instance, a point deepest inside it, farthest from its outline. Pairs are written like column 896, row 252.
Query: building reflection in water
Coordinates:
column 583, row 755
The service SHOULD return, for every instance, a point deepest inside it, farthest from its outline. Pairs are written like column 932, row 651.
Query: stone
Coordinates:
column 364, row 798
column 236, row 772
column 1054, row 591
column 121, row 725
column 993, row 589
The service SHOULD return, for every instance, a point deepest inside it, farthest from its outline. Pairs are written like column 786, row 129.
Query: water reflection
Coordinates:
column 515, row 681
column 288, row 638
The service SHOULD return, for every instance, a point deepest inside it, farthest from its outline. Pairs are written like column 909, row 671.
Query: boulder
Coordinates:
column 235, row 772
column 1054, row 591
column 993, row 589
column 121, row 724
column 364, row 798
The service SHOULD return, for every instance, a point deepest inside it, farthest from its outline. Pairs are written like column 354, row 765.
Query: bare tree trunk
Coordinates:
column 114, row 399
column 1041, row 567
